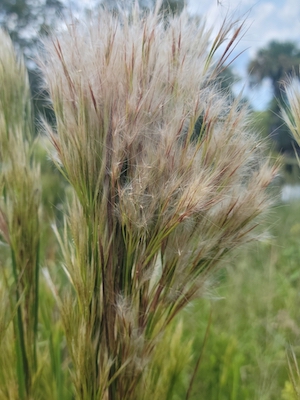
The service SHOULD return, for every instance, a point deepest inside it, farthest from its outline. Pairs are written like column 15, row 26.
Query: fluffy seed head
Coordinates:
column 168, row 179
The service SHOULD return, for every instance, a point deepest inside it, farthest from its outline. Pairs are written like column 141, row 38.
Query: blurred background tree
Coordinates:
column 26, row 21
column 276, row 62
column 167, row 6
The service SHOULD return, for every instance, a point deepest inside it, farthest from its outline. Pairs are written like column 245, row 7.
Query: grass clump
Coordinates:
column 33, row 358
column 19, row 219
column 156, row 203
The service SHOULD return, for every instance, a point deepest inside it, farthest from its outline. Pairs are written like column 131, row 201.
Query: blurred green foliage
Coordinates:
column 255, row 318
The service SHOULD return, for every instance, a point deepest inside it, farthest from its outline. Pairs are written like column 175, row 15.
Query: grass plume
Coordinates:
column 156, row 205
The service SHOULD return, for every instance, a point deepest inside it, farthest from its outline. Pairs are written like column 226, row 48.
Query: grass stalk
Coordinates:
column 22, row 361
column 195, row 370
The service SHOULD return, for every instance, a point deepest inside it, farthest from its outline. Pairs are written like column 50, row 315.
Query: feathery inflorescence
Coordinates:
column 167, row 176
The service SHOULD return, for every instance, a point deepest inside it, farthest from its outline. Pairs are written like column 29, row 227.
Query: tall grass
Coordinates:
column 19, row 213
column 33, row 360
column 167, row 180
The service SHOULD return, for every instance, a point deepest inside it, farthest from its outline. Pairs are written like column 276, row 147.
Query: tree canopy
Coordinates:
column 25, row 20
column 275, row 62
column 167, row 6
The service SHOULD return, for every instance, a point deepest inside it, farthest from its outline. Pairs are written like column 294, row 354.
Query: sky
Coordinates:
column 266, row 20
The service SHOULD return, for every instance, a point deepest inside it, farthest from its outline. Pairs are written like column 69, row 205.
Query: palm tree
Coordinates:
column 276, row 62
